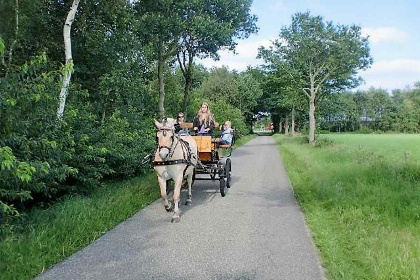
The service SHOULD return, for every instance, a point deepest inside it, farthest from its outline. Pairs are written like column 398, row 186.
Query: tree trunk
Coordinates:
column 276, row 120
column 312, row 120
column 186, row 65
column 12, row 46
column 161, row 107
column 280, row 126
column 187, row 87
column 293, row 120
column 286, row 126
column 68, row 68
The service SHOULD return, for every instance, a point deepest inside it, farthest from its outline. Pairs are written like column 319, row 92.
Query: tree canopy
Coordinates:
column 320, row 57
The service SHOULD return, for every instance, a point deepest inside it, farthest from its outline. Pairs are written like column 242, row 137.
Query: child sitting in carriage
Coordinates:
column 227, row 133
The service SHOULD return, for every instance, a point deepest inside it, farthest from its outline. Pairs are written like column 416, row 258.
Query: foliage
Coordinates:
column 43, row 159
column 372, row 110
column 240, row 91
column 225, row 112
column 107, row 126
column 319, row 57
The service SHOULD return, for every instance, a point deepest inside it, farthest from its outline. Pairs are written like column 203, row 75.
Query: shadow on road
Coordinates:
column 263, row 133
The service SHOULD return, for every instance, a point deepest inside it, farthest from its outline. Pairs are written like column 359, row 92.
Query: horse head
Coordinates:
column 165, row 136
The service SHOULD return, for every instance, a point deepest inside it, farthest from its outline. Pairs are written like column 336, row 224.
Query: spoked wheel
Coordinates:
column 228, row 168
column 222, row 180
column 223, row 188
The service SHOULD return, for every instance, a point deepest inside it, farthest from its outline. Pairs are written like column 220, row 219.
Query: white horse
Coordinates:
column 175, row 158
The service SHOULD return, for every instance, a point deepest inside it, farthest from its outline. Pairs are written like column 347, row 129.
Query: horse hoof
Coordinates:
column 169, row 207
column 188, row 202
column 175, row 219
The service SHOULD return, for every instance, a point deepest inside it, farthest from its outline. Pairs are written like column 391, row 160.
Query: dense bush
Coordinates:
column 42, row 158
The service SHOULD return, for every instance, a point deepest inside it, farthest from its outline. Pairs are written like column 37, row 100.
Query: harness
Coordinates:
column 186, row 151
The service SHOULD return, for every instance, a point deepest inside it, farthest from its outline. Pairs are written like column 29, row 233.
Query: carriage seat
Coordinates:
column 191, row 125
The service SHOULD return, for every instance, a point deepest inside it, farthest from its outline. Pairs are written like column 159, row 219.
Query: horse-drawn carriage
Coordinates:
column 185, row 158
column 214, row 160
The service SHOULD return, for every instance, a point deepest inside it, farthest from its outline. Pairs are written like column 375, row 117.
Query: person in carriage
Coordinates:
column 204, row 123
column 227, row 133
column 178, row 125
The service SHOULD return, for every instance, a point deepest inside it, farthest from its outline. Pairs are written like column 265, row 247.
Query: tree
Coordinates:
column 208, row 27
column 321, row 58
column 162, row 20
column 221, row 84
column 68, row 67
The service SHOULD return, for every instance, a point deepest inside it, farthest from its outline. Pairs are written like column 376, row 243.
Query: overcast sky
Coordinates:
column 393, row 27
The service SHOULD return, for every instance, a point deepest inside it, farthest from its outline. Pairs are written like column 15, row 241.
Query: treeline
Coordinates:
column 132, row 61
column 307, row 76
column 373, row 110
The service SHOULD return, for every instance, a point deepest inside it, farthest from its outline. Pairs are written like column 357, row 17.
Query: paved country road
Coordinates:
column 256, row 232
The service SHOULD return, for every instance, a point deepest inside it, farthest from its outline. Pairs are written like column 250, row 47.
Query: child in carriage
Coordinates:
column 227, row 134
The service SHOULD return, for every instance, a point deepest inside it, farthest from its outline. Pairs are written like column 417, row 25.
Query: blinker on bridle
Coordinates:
column 164, row 132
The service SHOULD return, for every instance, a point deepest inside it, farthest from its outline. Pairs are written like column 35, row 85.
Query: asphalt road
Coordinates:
column 256, row 232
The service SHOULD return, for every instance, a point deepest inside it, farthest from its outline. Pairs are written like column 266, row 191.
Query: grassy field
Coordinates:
column 46, row 237
column 391, row 146
column 361, row 203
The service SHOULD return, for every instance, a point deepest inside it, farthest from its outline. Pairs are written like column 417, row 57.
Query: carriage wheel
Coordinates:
column 228, row 169
column 222, row 186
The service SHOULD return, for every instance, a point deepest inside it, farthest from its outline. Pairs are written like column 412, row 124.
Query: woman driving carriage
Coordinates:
column 203, row 123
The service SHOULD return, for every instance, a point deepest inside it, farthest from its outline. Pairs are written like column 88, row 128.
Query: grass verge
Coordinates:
column 51, row 235
column 363, row 209
column 46, row 237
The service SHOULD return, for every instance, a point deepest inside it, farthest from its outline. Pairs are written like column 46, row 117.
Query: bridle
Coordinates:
column 164, row 132
column 186, row 159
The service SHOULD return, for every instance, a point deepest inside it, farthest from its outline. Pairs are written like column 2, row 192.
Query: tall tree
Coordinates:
column 209, row 26
column 8, row 64
column 161, row 21
column 320, row 57
column 68, row 67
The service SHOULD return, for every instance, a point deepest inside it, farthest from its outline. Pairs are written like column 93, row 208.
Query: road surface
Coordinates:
column 256, row 232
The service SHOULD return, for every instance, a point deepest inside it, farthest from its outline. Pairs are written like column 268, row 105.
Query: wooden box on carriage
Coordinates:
column 203, row 143
column 204, row 147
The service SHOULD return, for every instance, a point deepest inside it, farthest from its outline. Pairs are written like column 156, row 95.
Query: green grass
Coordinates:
column 390, row 146
column 51, row 235
column 46, row 237
column 363, row 206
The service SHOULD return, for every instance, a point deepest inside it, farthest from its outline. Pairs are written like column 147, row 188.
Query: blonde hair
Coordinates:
column 205, row 117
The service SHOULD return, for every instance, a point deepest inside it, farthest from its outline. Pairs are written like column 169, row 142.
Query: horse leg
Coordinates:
column 168, row 205
column 189, row 181
column 177, row 193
